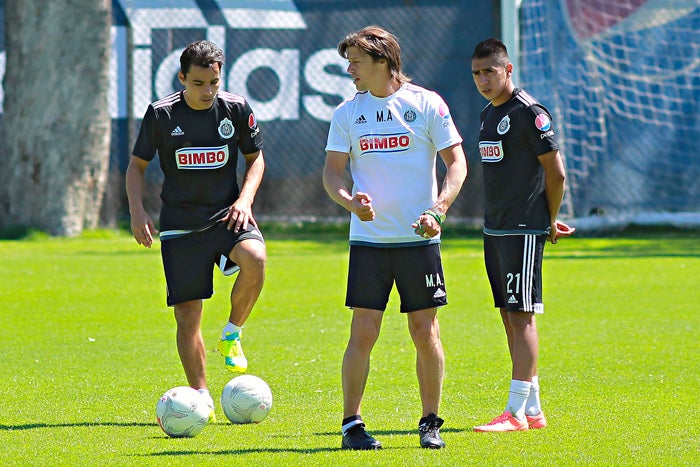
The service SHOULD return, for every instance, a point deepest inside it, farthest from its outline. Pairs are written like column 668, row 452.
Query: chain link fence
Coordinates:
column 281, row 55
column 623, row 81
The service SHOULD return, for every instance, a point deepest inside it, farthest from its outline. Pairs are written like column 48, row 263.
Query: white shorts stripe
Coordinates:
column 528, row 271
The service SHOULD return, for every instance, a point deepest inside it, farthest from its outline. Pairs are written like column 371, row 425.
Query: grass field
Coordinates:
column 88, row 347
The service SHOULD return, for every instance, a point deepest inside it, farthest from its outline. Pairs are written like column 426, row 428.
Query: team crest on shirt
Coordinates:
column 409, row 116
column 503, row 125
column 226, row 128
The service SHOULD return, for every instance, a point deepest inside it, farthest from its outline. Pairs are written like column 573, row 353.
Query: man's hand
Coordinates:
column 239, row 215
column 426, row 226
column 361, row 205
column 560, row 230
column 143, row 228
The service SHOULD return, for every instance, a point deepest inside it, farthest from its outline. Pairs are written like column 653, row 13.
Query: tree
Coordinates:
column 55, row 132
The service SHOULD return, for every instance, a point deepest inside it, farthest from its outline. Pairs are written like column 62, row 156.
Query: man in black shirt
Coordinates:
column 524, row 181
column 205, row 219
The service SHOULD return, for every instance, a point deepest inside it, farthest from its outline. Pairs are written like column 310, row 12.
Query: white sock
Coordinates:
column 533, row 405
column 230, row 328
column 517, row 397
column 205, row 392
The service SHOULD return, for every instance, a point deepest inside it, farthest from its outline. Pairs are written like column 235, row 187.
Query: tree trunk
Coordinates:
column 54, row 144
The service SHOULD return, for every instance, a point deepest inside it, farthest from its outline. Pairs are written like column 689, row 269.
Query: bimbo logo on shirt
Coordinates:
column 201, row 158
column 384, row 143
column 491, row 151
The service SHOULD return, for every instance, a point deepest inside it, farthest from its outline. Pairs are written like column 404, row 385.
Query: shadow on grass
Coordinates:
column 228, row 452
column 626, row 248
column 394, row 432
column 297, row 450
column 33, row 426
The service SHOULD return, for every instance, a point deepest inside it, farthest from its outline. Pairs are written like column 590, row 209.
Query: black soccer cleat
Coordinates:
column 357, row 438
column 429, row 430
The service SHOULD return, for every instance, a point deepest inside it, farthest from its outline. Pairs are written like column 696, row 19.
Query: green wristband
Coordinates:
column 438, row 216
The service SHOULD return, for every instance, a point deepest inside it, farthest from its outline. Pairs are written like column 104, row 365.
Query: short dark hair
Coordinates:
column 201, row 53
column 492, row 48
column 379, row 44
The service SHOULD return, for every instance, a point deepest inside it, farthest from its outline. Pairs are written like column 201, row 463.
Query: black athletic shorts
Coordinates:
column 189, row 260
column 514, row 268
column 417, row 272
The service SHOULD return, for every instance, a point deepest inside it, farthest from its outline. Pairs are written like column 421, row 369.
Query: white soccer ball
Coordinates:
column 182, row 412
column 246, row 399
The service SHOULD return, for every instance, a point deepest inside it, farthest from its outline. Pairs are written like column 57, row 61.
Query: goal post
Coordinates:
column 510, row 33
column 510, row 36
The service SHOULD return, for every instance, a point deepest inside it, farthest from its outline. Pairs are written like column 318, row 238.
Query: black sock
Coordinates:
column 351, row 422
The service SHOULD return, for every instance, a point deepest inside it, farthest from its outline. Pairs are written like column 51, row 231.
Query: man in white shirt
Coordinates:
column 390, row 133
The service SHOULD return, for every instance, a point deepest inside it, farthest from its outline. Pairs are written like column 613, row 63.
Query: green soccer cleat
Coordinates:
column 231, row 349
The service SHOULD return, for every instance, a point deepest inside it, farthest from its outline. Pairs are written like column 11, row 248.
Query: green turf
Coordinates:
column 87, row 348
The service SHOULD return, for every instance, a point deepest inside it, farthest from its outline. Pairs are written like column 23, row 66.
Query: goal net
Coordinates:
column 622, row 78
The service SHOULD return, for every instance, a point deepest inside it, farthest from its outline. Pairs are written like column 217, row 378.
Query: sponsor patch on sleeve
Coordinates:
column 542, row 122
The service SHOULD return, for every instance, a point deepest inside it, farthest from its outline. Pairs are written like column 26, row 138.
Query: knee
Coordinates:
column 425, row 334
column 188, row 314
column 363, row 336
column 362, row 342
column 423, row 327
column 258, row 255
column 251, row 257
column 521, row 322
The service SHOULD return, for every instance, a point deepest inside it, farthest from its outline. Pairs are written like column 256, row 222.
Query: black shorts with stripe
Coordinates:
column 417, row 272
column 514, row 268
column 189, row 260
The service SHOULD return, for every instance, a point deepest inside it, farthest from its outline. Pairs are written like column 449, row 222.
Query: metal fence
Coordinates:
column 627, row 111
column 282, row 56
column 623, row 81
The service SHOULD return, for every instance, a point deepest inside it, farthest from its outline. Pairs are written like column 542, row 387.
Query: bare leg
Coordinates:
column 525, row 345
column 430, row 358
column 364, row 332
column 250, row 255
column 190, row 344
column 509, row 331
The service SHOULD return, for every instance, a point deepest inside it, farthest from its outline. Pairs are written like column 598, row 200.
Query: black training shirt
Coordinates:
column 198, row 153
column 511, row 138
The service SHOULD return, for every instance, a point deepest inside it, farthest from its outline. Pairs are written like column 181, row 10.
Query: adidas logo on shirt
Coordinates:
column 360, row 119
column 177, row 132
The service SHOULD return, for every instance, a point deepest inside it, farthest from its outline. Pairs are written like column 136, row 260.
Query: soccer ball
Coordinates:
column 182, row 412
column 246, row 399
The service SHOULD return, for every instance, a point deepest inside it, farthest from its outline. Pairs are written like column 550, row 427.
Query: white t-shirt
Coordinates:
column 393, row 143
